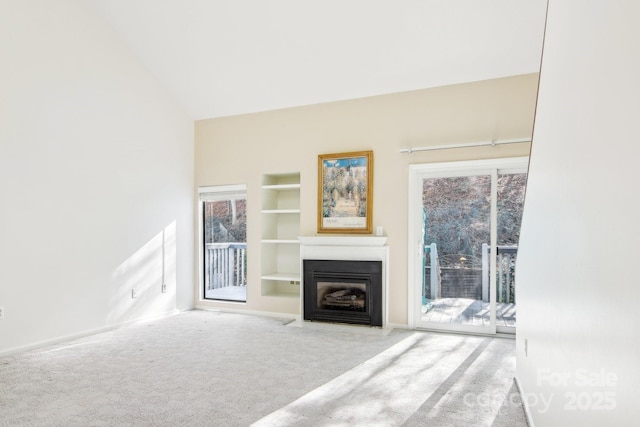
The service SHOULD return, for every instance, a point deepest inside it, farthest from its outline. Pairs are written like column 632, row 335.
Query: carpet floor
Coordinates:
column 207, row 368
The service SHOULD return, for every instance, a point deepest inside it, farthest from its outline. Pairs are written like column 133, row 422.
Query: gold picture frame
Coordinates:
column 345, row 192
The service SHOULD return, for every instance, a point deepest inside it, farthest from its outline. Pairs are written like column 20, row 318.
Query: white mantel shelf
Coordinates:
column 343, row 240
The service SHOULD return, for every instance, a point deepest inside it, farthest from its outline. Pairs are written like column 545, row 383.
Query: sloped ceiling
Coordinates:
column 228, row 57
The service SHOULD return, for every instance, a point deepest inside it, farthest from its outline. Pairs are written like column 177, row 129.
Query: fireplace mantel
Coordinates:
column 342, row 240
column 348, row 247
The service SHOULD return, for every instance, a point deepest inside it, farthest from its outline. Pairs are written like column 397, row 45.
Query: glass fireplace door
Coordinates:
column 342, row 296
column 343, row 291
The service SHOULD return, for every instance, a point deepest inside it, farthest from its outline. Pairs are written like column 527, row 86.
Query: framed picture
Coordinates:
column 345, row 190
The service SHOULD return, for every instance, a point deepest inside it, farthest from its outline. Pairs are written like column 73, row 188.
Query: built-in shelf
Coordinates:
column 281, row 187
column 281, row 292
column 285, row 277
column 280, row 252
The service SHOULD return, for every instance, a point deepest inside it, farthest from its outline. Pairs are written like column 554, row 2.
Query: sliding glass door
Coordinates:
column 461, row 215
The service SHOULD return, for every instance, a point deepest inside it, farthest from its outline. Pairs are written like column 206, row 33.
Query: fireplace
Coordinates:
column 343, row 291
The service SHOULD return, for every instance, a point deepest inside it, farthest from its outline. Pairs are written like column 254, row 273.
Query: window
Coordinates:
column 224, row 242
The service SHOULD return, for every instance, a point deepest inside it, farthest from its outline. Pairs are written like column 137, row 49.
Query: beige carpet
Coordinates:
column 204, row 368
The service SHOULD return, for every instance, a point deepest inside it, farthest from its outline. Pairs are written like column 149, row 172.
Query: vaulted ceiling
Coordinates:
column 227, row 57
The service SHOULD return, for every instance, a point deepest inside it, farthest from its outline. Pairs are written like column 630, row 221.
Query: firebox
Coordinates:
column 343, row 291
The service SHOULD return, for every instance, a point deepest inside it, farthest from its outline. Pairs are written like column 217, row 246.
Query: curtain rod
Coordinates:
column 464, row 145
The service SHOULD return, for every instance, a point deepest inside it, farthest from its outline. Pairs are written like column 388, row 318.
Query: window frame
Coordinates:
column 221, row 192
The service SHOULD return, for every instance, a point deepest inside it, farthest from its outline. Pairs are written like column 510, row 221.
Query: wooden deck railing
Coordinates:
column 506, row 274
column 225, row 265
column 431, row 251
column 506, row 257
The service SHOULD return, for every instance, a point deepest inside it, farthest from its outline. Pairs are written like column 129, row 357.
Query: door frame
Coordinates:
column 417, row 173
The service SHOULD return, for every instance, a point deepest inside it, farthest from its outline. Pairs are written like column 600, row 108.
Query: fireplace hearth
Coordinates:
column 343, row 291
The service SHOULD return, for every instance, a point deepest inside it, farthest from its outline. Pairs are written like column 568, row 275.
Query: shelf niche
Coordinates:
column 280, row 258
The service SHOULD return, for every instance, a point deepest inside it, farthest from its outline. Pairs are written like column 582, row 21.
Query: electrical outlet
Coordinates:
column 164, row 288
column 1, row 313
column 134, row 294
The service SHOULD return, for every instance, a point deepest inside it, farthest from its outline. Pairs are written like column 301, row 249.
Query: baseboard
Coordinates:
column 391, row 325
column 287, row 316
column 525, row 403
column 86, row 333
column 295, row 320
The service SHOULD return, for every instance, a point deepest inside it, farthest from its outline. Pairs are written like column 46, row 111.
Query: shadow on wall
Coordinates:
column 144, row 285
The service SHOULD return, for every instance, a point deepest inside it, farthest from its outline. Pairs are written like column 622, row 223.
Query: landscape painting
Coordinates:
column 345, row 187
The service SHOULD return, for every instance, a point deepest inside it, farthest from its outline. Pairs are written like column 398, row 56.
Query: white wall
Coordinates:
column 96, row 176
column 578, row 286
